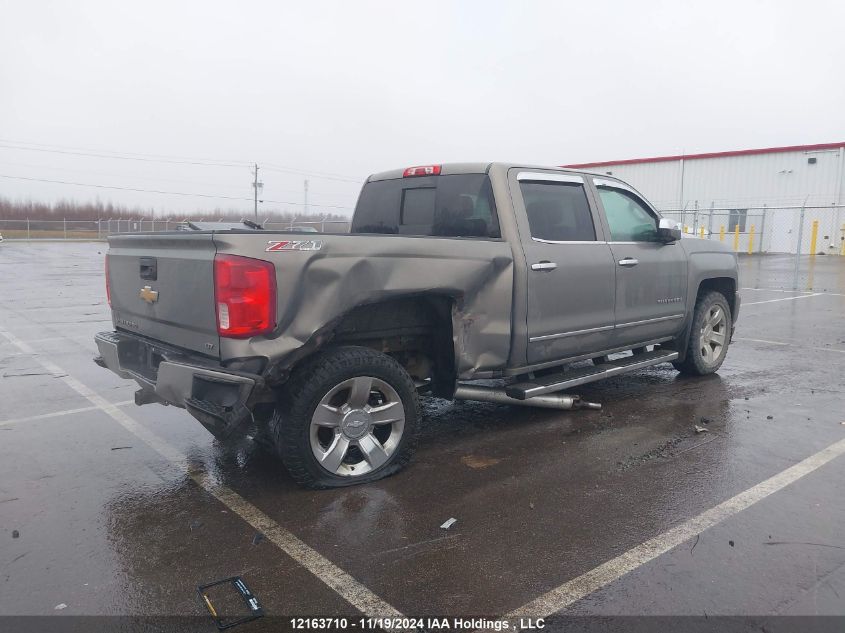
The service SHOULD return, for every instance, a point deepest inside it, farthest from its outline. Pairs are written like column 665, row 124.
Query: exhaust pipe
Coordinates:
column 548, row 401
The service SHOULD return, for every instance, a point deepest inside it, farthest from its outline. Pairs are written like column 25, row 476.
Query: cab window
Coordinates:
column 558, row 211
column 628, row 217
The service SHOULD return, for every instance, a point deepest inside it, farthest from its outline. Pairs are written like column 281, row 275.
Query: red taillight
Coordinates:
column 108, row 284
column 245, row 296
column 424, row 170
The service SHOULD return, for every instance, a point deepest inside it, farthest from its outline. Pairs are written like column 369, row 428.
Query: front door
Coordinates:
column 651, row 276
column 569, row 265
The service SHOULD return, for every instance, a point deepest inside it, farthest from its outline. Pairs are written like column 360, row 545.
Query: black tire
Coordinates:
column 695, row 363
column 290, row 425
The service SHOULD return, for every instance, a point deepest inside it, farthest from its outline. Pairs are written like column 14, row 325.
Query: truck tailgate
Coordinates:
column 162, row 286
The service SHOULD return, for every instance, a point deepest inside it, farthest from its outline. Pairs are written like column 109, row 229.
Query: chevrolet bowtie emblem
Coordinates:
column 148, row 294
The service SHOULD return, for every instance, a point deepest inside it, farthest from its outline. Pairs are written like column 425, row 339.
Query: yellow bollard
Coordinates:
column 813, row 237
column 736, row 238
column 722, row 233
column 751, row 240
column 686, row 229
column 701, row 232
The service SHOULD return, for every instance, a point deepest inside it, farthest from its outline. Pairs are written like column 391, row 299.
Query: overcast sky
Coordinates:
column 349, row 88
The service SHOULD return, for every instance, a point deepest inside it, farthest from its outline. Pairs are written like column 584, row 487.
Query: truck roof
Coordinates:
column 448, row 169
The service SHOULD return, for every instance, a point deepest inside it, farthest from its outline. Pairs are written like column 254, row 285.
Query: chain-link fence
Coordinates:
column 802, row 230
column 807, row 230
column 64, row 229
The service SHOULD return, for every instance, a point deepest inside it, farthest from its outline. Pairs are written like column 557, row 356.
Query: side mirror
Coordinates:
column 668, row 231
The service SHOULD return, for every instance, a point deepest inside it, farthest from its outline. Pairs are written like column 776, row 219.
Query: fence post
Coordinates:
column 798, row 247
column 64, row 222
column 813, row 236
column 763, row 228
column 842, row 250
column 710, row 220
column 722, row 233
column 736, row 237
column 695, row 218
column 751, row 241
column 28, row 234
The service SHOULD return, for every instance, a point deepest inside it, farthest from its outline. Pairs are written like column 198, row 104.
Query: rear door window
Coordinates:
column 460, row 205
column 558, row 211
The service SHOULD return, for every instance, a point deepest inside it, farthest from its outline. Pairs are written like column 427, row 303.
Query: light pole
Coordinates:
column 256, row 186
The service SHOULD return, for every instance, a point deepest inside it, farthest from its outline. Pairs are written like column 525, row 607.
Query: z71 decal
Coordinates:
column 294, row 245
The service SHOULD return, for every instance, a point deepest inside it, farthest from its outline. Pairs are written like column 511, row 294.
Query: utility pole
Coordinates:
column 256, row 186
column 305, row 212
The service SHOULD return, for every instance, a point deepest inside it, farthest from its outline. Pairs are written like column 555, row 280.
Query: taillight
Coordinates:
column 424, row 170
column 245, row 295
column 108, row 283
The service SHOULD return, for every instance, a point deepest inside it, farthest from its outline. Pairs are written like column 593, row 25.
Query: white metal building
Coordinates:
column 761, row 188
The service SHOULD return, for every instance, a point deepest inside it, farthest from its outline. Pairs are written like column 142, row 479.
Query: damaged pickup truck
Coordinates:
column 451, row 273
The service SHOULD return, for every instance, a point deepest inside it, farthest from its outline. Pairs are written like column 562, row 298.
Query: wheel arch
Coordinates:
column 416, row 330
column 725, row 285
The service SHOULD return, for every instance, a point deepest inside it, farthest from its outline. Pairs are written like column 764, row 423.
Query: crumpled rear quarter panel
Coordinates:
column 316, row 288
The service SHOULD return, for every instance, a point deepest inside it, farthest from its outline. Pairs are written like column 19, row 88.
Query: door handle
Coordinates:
column 629, row 261
column 544, row 266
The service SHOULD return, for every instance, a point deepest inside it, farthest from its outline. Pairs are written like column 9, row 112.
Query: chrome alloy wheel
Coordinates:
column 357, row 426
column 713, row 335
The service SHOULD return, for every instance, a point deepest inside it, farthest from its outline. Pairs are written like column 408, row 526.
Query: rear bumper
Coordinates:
column 220, row 399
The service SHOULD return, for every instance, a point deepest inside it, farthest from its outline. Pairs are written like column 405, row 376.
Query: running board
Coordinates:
column 566, row 380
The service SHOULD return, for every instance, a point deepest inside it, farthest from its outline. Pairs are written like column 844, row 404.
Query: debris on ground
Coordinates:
column 731, row 543
column 700, row 429
column 473, row 461
column 705, row 420
column 449, row 523
column 250, row 602
column 531, row 505
column 257, row 538
column 195, row 524
column 120, row 448
column 15, row 534
column 60, row 606
column 770, row 417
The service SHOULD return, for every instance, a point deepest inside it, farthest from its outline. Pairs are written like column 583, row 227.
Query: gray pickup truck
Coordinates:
column 543, row 278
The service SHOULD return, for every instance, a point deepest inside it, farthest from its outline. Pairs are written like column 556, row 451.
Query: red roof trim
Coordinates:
column 741, row 152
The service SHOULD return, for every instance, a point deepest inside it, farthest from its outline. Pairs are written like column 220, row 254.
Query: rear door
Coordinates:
column 651, row 276
column 569, row 265
column 162, row 287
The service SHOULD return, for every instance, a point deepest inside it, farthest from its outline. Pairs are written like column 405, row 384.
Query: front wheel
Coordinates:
column 350, row 415
column 709, row 336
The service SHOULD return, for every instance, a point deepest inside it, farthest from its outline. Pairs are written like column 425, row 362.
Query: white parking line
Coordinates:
column 778, row 290
column 58, row 414
column 754, row 303
column 759, row 340
column 571, row 591
column 333, row 576
column 815, row 349
column 820, row 292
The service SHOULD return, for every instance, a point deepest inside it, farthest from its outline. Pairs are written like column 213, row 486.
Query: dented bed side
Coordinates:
column 318, row 287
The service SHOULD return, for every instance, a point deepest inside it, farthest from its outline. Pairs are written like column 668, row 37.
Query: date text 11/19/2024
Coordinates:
column 405, row 623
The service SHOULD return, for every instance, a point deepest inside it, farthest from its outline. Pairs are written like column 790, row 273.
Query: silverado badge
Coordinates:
column 148, row 294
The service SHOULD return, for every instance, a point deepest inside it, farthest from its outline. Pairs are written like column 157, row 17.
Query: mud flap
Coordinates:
column 223, row 422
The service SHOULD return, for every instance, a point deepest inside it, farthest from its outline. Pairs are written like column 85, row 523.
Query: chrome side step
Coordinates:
column 568, row 379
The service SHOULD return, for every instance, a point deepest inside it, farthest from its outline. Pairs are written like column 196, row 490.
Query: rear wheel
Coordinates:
column 709, row 336
column 348, row 416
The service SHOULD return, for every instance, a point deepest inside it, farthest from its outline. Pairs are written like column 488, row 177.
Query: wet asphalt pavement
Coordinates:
column 94, row 518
